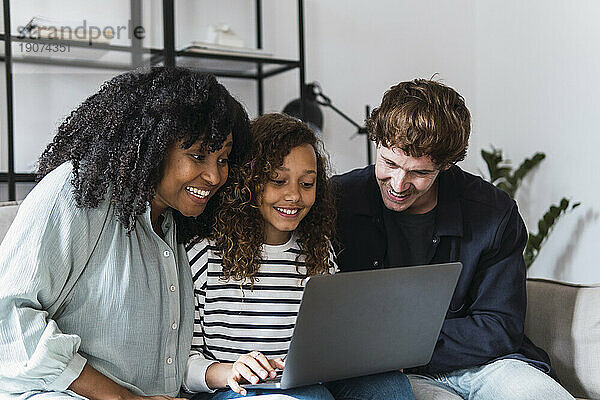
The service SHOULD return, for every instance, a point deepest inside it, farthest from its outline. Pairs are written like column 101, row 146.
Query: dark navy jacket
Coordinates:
column 478, row 225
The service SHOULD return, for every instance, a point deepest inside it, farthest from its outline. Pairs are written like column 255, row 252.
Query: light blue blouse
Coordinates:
column 76, row 288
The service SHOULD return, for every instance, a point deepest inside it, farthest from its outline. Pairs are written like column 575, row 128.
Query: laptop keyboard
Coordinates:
column 277, row 379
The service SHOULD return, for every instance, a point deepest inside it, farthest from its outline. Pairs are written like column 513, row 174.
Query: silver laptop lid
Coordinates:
column 360, row 323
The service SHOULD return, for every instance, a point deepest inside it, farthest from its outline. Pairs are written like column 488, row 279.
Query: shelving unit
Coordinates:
column 257, row 68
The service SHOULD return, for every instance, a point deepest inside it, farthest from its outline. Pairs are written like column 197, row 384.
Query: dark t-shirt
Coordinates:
column 416, row 233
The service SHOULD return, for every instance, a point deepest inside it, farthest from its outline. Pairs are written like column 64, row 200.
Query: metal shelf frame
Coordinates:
column 264, row 67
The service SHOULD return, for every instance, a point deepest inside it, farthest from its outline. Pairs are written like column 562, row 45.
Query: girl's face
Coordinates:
column 289, row 194
column 190, row 177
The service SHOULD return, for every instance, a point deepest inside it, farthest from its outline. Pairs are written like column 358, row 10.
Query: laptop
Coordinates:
column 366, row 322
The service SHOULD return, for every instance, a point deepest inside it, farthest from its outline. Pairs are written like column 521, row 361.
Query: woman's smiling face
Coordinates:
column 289, row 194
column 190, row 177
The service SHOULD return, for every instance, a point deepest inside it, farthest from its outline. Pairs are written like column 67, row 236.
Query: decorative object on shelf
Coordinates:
column 222, row 34
column 211, row 48
column 245, row 64
column 310, row 112
column 504, row 177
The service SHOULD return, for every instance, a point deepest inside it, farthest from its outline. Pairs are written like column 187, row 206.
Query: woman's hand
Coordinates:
column 249, row 368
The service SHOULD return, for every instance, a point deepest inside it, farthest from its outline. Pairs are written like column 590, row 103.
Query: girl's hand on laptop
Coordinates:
column 252, row 367
column 277, row 363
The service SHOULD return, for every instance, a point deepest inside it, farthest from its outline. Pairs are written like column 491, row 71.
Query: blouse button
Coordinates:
column 169, row 361
column 172, row 288
column 166, row 253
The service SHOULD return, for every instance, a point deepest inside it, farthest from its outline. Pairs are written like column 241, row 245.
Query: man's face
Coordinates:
column 407, row 183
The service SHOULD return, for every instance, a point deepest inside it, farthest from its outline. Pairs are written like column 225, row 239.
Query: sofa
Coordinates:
column 563, row 319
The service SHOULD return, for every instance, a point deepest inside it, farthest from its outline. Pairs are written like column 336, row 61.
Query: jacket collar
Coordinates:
column 369, row 203
column 450, row 216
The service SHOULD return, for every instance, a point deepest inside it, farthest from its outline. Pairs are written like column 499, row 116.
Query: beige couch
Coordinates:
column 564, row 320
column 561, row 318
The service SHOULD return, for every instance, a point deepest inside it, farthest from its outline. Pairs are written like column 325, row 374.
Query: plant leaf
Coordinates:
column 493, row 161
column 545, row 225
column 526, row 166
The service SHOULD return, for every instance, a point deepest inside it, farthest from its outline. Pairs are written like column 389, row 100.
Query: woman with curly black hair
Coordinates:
column 273, row 230
column 96, row 297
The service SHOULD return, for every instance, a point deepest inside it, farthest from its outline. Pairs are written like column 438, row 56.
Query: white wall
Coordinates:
column 526, row 69
column 536, row 87
column 358, row 49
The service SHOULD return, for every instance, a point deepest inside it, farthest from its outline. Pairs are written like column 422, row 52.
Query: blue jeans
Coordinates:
column 313, row 392
column 385, row 386
column 506, row 379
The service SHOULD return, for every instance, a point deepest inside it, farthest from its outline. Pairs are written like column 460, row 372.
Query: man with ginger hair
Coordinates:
column 414, row 207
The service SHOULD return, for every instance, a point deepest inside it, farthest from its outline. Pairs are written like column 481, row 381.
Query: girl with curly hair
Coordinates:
column 273, row 230
column 96, row 298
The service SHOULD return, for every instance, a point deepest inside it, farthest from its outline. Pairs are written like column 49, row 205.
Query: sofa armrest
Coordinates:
column 8, row 211
column 564, row 320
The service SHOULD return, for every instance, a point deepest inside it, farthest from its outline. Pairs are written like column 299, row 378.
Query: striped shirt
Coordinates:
column 231, row 319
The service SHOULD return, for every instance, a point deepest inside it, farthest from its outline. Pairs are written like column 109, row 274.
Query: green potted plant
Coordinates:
column 505, row 177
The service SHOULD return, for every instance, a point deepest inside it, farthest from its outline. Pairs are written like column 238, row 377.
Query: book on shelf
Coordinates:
column 212, row 48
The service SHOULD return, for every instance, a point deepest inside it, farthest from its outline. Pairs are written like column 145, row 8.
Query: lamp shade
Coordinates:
column 309, row 111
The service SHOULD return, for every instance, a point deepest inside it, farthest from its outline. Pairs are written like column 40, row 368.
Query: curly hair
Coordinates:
column 423, row 117
column 117, row 139
column 239, row 228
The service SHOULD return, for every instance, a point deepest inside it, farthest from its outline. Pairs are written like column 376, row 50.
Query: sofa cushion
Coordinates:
column 8, row 210
column 564, row 320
